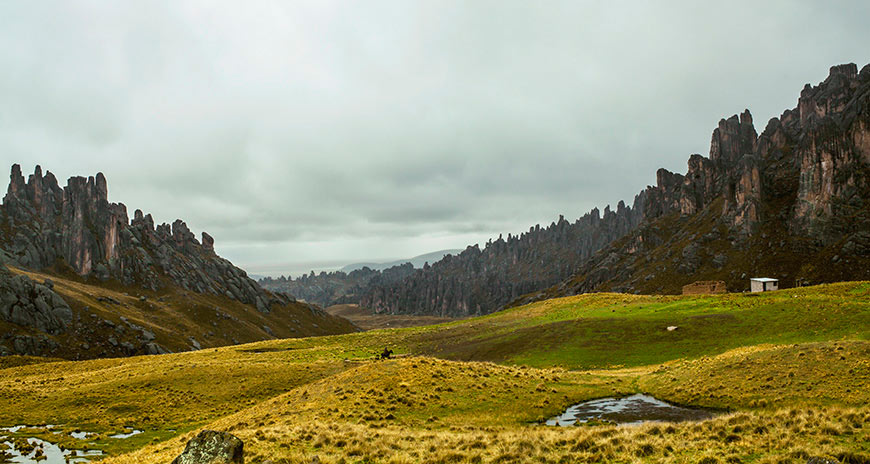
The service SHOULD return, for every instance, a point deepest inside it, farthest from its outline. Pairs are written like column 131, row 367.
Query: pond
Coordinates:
column 44, row 452
column 634, row 409
column 17, row 445
column 80, row 435
column 130, row 432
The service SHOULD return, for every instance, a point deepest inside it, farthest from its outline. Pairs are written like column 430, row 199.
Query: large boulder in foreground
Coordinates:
column 211, row 447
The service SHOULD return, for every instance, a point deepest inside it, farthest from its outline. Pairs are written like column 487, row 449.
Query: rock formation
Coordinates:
column 111, row 268
column 757, row 203
column 30, row 304
column 792, row 203
column 80, row 227
column 479, row 281
column 211, row 447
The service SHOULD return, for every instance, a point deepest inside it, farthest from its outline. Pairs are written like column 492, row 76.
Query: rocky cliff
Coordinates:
column 75, row 233
column 792, row 203
column 44, row 223
column 479, row 281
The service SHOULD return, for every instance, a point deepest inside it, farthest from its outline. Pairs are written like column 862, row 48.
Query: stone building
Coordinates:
column 704, row 287
column 763, row 284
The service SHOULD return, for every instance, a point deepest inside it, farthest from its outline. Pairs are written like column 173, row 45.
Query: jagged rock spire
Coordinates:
column 95, row 237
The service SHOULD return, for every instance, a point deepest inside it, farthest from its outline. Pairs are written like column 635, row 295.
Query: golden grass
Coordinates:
column 288, row 435
column 291, row 400
column 429, row 410
column 815, row 374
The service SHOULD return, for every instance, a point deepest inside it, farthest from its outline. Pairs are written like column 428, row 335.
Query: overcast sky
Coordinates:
column 308, row 135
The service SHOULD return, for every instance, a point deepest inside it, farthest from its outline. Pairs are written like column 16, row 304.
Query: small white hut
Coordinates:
column 763, row 284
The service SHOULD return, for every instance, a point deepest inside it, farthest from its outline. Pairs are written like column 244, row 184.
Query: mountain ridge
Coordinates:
column 809, row 165
column 795, row 204
column 417, row 261
column 75, row 236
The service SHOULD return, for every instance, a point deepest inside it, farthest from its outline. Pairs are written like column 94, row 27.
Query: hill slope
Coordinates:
column 110, row 319
column 791, row 365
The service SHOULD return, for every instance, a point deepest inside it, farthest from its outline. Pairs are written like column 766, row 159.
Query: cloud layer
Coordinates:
column 312, row 134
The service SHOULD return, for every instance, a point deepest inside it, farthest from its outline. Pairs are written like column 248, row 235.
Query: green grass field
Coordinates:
column 792, row 368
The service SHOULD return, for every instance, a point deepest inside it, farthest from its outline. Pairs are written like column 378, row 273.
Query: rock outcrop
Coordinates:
column 124, row 287
column 757, row 203
column 211, row 447
column 29, row 304
column 44, row 224
column 793, row 202
column 479, row 281
column 731, row 172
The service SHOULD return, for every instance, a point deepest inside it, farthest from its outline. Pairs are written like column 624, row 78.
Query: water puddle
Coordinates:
column 16, row 447
column 634, row 409
column 43, row 452
column 80, row 434
column 129, row 434
column 17, row 428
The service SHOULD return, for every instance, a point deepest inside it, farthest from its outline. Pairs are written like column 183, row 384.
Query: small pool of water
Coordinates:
column 130, row 433
column 17, row 428
column 634, row 409
column 80, row 435
column 46, row 453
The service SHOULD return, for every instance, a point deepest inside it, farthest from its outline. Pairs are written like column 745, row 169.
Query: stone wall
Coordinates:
column 705, row 287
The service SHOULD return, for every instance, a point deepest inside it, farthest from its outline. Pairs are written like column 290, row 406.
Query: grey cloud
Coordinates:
column 306, row 132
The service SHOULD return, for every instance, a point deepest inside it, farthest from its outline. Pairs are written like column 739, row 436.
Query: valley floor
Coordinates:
column 368, row 320
column 789, row 369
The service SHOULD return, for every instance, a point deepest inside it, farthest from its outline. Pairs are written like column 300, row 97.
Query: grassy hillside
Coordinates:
column 108, row 310
column 818, row 373
column 611, row 330
column 482, row 416
column 791, row 367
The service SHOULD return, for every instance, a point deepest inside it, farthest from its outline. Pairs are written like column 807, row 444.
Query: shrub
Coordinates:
column 584, row 445
column 848, row 457
column 644, row 450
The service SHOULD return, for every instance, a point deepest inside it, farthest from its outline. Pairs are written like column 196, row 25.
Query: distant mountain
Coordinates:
column 416, row 261
column 474, row 281
column 74, row 237
column 346, row 286
column 338, row 287
column 479, row 281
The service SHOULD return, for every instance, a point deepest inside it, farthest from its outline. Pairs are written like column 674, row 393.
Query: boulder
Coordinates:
column 212, row 447
column 819, row 460
column 29, row 304
column 154, row 349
